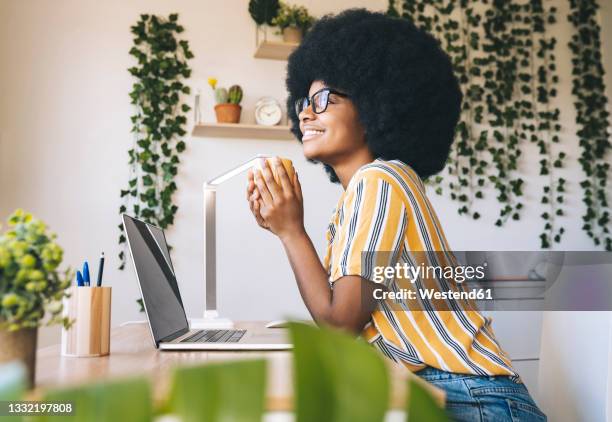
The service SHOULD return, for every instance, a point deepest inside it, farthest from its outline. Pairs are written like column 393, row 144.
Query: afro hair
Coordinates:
column 400, row 80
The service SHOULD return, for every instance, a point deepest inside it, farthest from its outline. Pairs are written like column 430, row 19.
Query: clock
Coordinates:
column 268, row 112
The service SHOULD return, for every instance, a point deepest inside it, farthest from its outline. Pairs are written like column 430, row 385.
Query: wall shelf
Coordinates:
column 274, row 50
column 238, row 130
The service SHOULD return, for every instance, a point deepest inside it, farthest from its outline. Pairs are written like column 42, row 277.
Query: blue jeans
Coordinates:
column 481, row 398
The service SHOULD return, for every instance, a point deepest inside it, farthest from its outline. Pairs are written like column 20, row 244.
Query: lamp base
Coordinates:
column 211, row 321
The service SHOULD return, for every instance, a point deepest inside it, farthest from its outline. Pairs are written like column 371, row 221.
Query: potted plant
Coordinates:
column 293, row 22
column 30, row 287
column 263, row 11
column 228, row 106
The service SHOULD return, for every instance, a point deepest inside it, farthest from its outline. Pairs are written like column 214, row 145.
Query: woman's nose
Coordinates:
column 307, row 114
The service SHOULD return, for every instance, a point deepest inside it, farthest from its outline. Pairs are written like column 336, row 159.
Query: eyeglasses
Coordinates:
column 319, row 101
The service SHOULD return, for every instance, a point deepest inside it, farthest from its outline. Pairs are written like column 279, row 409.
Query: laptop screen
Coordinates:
column 156, row 277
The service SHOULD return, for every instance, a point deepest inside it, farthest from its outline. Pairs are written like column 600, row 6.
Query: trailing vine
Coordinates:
column 472, row 143
column 158, row 122
column 503, row 97
column 430, row 16
column 545, row 127
column 467, row 164
column 504, row 58
column 591, row 118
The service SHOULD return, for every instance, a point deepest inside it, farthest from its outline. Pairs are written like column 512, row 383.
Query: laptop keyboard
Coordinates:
column 214, row 336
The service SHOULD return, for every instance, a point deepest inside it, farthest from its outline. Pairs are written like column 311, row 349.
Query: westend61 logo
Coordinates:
column 459, row 273
column 497, row 280
column 405, row 271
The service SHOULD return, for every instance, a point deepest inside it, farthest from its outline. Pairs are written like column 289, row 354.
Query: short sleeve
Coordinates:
column 373, row 228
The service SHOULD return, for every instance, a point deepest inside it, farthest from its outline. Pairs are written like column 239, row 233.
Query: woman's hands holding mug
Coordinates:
column 276, row 204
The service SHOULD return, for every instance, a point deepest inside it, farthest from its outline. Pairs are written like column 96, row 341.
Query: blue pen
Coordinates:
column 79, row 279
column 86, row 278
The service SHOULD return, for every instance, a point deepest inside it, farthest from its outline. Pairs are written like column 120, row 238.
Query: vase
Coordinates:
column 20, row 345
column 228, row 113
column 292, row 34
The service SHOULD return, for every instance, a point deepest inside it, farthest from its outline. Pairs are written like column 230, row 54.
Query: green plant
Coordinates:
column 293, row 16
column 588, row 89
column 221, row 95
column 209, row 392
column 30, row 283
column 234, row 94
column 527, row 80
column 158, row 122
column 422, row 406
column 263, row 11
column 545, row 128
column 392, row 9
column 337, row 377
column 117, row 400
column 503, row 55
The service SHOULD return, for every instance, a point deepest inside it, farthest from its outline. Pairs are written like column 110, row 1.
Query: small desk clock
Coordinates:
column 268, row 112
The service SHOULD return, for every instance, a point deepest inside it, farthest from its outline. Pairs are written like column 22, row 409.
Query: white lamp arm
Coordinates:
column 211, row 317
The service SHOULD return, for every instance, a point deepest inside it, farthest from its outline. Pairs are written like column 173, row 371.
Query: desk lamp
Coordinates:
column 211, row 319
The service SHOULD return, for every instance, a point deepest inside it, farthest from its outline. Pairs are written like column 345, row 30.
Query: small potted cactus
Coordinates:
column 228, row 106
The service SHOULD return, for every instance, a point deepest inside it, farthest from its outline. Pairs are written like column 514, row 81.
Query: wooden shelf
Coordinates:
column 246, row 131
column 274, row 50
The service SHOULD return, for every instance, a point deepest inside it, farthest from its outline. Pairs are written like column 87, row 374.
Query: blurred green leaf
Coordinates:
column 337, row 378
column 125, row 400
column 422, row 406
column 232, row 391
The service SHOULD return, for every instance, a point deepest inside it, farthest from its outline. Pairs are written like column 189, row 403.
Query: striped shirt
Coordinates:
column 385, row 208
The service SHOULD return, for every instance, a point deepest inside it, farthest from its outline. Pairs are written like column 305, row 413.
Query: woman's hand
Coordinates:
column 254, row 201
column 277, row 208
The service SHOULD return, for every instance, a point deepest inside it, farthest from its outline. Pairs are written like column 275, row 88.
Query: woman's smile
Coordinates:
column 311, row 132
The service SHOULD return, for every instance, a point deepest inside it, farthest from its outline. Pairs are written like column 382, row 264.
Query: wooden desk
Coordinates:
column 132, row 353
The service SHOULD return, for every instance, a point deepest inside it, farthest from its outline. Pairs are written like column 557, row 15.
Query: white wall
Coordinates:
column 65, row 130
column 575, row 366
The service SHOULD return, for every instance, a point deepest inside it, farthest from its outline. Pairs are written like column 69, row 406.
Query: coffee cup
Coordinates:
column 287, row 164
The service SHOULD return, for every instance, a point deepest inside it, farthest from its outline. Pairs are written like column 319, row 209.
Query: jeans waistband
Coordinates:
column 431, row 373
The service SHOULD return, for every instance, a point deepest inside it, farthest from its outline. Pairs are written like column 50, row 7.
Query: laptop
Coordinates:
column 164, row 307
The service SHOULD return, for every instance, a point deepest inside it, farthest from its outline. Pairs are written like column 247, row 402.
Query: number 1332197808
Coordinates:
column 34, row 408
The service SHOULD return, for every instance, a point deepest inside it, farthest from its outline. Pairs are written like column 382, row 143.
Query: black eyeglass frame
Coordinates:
column 310, row 101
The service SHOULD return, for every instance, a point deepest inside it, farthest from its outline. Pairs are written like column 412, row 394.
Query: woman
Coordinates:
column 375, row 100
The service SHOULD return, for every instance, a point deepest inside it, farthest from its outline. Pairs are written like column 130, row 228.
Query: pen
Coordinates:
column 86, row 278
column 79, row 279
column 100, row 270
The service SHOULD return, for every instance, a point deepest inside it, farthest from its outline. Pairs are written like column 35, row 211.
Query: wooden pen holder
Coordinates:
column 89, row 335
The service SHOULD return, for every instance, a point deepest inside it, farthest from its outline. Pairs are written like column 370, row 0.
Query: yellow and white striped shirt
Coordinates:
column 385, row 208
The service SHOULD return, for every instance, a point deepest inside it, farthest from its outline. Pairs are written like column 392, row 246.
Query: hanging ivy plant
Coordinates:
column 502, row 86
column 158, row 122
column 544, row 130
column 467, row 165
column 591, row 118
column 525, row 74
column 503, row 57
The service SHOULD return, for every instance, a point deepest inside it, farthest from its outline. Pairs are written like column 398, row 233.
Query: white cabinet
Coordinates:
column 518, row 329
